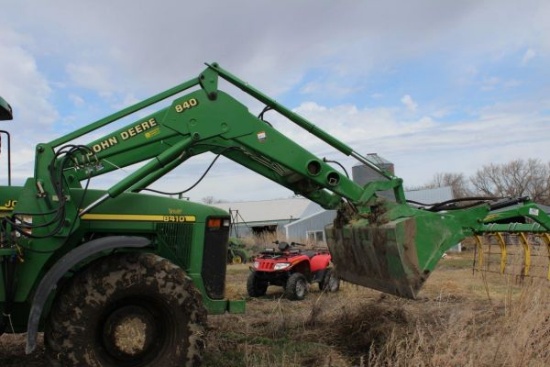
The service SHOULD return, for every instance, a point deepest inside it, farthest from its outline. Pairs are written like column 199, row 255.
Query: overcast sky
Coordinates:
column 432, row 86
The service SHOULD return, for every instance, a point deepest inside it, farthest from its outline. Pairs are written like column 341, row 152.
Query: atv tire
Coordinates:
column 330, row 282
column 132, row 309
column 296, row 287
column 255, row 287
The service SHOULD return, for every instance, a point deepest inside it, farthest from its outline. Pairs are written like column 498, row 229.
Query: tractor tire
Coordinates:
column 296, row 287
column 240, row 254
column 132, row 309
column 235, row 260
column 255, row 287
column 330, row 282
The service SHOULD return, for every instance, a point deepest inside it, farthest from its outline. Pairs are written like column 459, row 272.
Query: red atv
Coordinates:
column 293, row 269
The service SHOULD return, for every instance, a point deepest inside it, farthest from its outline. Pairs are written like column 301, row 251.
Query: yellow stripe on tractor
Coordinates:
column 142, row 218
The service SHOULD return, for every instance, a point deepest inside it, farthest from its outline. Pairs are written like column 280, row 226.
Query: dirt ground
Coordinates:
column 459, row 318
column 12, row 352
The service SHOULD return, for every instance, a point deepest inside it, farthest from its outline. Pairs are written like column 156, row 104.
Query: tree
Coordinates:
column 208, row 200
column 515, row 179
column 211, row 200
column 457, row 182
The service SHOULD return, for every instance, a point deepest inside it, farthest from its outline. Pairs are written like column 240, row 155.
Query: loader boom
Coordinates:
column 209, row 120
column 393, row 245
column 193, row 125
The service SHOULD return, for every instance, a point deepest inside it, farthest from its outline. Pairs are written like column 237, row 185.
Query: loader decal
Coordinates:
column 190, row 103
column 148, row 128
column 138, row 129
column 8, row 205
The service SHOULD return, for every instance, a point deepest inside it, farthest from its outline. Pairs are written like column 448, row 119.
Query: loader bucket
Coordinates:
column 395, row 257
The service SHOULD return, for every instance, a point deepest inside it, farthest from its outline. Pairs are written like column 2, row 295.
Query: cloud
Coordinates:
column 157, row 43
column 28, row 91
column 528, row 56
column 77, row 100
column 91, row 77
column 409, row 103
column 20, row 71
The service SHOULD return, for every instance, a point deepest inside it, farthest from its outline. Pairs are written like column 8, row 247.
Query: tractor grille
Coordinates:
column 179, row 238
column 214, row 260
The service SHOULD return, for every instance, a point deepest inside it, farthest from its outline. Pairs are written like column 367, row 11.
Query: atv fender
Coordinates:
column 64, row 264
column 319, row 262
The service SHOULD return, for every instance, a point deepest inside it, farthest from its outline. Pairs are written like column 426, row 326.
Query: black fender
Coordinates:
column 64, row 264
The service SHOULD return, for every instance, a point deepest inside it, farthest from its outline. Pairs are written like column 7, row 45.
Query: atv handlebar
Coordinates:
column 283, row 246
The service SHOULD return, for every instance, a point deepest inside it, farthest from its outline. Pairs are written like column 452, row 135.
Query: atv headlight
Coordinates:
column 256, row 264
column 281, row 266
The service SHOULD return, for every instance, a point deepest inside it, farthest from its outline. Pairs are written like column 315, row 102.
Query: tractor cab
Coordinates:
column 6, row 112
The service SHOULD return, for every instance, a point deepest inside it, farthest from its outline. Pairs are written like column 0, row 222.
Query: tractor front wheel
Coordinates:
column 241, row 255
column 132, row 309
column 296, row 287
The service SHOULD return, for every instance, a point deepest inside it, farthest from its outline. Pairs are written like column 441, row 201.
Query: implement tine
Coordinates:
column 503, row 253
column 479, row 246
column 526, row 254
column 523, row 254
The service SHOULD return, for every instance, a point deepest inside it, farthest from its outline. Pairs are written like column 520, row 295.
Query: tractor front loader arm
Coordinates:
column 206, row 120
column 384, row 244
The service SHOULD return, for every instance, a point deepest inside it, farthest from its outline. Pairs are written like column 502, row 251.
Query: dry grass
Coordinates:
column 460, row 319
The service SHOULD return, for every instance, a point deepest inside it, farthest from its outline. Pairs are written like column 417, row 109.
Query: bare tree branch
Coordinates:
column 514, row 179
column 457, row 182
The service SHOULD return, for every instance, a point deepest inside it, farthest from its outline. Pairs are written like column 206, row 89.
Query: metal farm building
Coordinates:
column 266, row 216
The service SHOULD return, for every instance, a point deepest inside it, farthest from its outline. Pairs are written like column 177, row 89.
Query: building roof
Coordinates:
column 311, row 209
column 267, row 210
column 272, row 211
column 376, row 159
column 430, row 196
